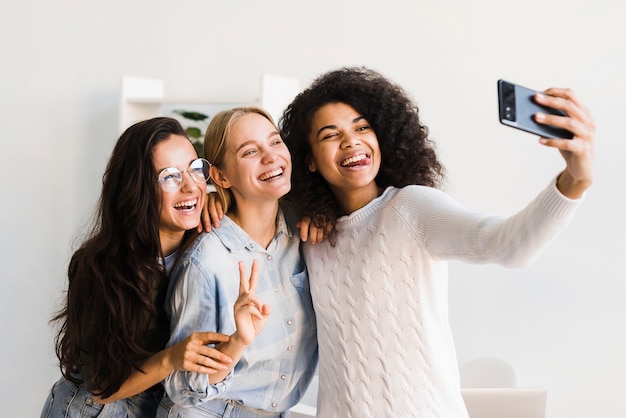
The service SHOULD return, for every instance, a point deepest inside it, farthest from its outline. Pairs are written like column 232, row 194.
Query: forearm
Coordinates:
column 234, row 348
column 187, row 388
column 453, row 232
column 154, row 370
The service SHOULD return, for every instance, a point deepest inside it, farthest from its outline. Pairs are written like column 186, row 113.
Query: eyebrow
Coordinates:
column 251, row 141
column 158, row 170
column 354, row 121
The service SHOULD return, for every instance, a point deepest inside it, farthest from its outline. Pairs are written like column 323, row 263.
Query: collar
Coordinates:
column 234, row 238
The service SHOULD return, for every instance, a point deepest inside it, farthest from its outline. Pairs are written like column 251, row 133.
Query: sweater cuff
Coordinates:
column 558, row 204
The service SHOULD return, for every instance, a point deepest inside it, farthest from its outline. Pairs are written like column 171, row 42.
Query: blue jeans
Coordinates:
column 215, row 408
column 69, row 400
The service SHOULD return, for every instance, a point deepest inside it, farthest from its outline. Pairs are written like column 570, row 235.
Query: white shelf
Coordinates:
column 194, row 100
column 143, row 98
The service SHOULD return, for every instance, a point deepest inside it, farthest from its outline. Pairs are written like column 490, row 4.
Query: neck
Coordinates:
column 351, row 200
column 258, row 220
column 170, row 241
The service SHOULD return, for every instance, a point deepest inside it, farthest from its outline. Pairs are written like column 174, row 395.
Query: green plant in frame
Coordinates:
column 194, row 132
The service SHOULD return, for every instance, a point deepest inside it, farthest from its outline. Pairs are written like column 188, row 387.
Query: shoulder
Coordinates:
column 199, row 262
column 224, row 239
column 290, row 215
column 202, row 243
column 421, row 203
column 419, row 195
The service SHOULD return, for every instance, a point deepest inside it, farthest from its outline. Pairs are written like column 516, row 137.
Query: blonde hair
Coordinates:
column 216, row 141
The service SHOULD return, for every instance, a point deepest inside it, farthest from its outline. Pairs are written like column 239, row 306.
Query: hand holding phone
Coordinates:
column 517, row 107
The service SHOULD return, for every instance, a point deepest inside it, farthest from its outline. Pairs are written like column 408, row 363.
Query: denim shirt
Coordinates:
column 276, row 369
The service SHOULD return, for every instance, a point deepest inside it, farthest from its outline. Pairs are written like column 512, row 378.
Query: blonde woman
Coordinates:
column 274, row 354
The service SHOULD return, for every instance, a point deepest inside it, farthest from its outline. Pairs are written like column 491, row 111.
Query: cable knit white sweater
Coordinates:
column 381, row 296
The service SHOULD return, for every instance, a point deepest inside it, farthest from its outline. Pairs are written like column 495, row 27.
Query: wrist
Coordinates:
column 237, row 339
column 571, row 187
column 165, row 360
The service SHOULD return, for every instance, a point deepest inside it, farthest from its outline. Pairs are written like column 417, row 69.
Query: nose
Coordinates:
column 350, row 141
column 188, row 182
column 269, row 156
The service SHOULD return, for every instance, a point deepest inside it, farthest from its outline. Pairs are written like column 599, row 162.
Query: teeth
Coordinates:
column 186, row 204
column 353, row 159
column 271, row 174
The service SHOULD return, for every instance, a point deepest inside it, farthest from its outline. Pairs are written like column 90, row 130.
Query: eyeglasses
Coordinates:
column 171, row 178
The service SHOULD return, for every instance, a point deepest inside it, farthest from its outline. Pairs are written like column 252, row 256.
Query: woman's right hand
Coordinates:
column 250, row 312
column 194, row 355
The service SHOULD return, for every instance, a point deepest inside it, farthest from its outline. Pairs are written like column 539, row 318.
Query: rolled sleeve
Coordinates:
column 192, row 305
column 190, row 389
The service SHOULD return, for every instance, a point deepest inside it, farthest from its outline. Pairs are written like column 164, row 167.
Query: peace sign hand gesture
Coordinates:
column 250, row 312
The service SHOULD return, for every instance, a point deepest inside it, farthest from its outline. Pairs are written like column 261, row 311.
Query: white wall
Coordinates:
column 561, row 320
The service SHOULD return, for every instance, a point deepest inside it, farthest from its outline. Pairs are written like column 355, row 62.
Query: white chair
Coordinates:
column 488, row 372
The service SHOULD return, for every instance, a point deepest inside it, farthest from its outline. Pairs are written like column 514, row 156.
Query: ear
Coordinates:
column 217, row 177
column 311, row 164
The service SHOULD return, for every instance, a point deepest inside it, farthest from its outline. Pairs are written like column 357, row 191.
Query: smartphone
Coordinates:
column 517, row 107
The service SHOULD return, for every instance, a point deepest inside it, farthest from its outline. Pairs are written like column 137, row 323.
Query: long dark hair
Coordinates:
column 408, row 155
column 114, row 275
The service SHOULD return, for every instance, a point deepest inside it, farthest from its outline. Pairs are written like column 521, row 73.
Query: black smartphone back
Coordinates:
column 517, row 107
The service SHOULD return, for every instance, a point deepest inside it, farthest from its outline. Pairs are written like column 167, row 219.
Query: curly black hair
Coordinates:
column 408, row 155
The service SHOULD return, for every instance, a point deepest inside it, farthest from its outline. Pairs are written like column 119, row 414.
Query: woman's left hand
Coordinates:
column 578, row 152
column 309, row 232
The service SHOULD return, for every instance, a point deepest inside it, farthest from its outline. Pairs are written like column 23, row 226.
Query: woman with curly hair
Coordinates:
column 366, row 173
column 111, row 342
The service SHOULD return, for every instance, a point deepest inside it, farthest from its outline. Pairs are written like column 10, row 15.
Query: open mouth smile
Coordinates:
column 272, row 175
column 355, row 160
column 186, row 206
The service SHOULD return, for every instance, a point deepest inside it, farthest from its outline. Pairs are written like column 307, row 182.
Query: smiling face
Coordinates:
column 345, row 151
column 257, row 164
column 180, row 210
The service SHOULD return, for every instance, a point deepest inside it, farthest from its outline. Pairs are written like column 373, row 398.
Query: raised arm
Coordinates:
column 250, row 316
column 196, row 302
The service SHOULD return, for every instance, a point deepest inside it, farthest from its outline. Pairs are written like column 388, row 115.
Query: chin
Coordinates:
column 189, row 224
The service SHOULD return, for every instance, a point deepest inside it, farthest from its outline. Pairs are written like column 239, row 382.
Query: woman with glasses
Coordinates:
column 113, row 330
column 274, row 354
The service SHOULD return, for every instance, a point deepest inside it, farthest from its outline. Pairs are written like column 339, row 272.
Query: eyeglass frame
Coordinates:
column 175, row 171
